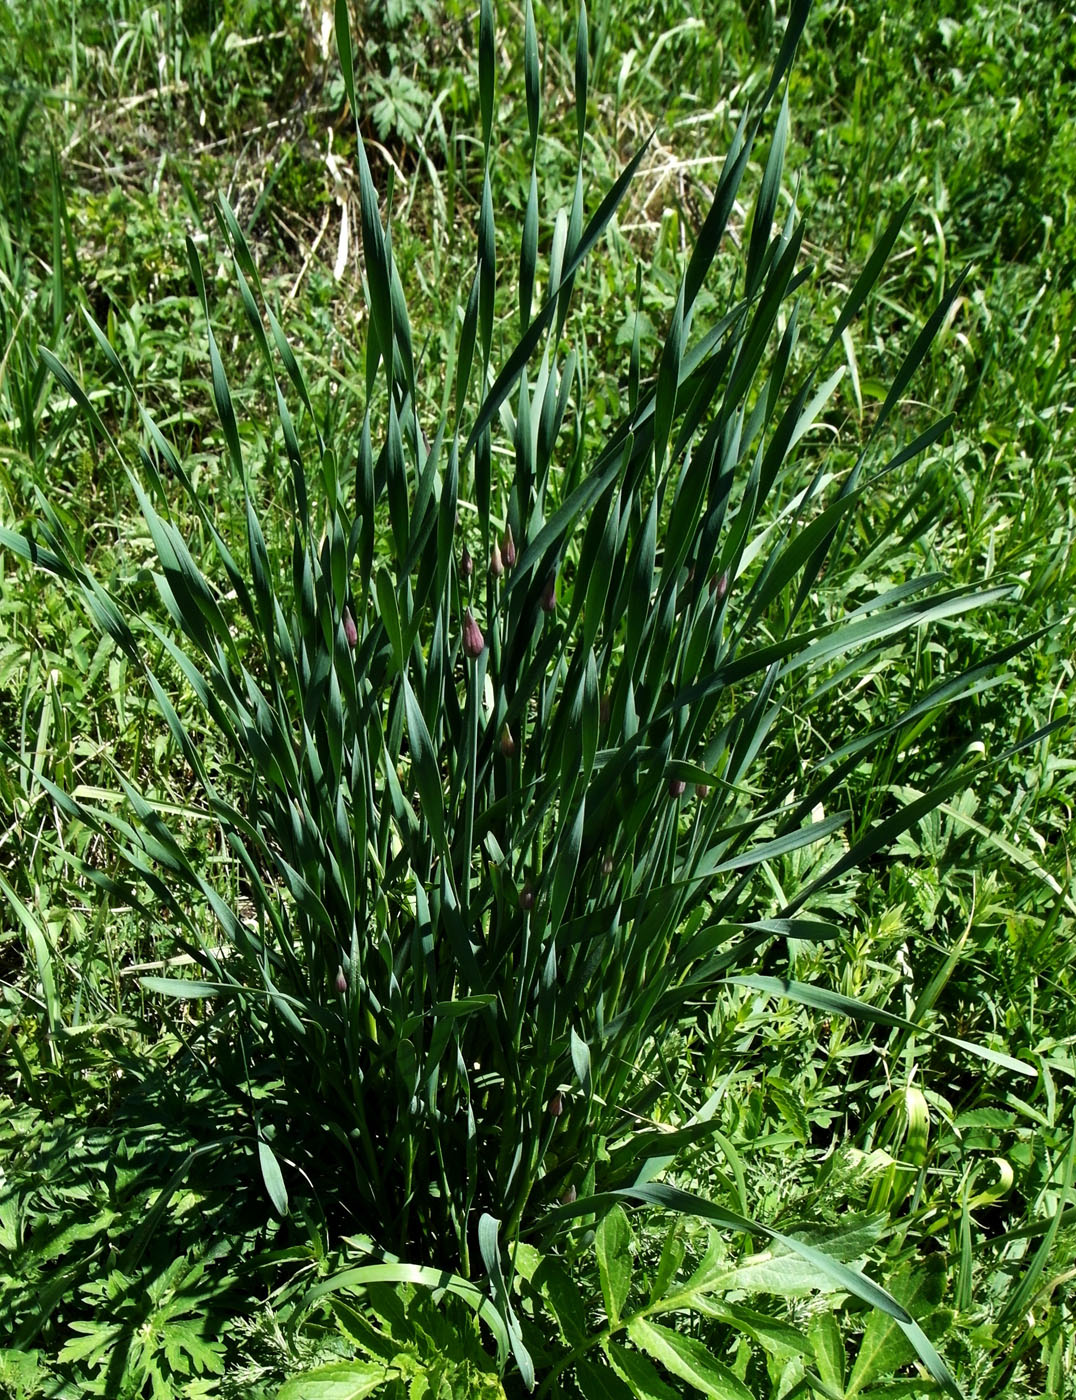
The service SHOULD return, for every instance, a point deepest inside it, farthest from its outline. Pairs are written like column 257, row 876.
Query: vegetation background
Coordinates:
column 135, row 1259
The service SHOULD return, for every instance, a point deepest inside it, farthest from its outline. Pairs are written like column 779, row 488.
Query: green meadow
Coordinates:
column 536, row 783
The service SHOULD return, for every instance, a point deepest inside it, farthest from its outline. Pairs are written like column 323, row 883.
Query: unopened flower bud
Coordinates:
column 556, row 1105
column 496, row 563
column 508, row 742
column 526, row 896
column 702, row 791
column 466, row 563
column 549, row 596
column 677, row 787
column 719, row 585
column 508, row 549
column 341, row 981
column 569, row 1196
column 473, row 641
column 607, row 865
column 351, row 632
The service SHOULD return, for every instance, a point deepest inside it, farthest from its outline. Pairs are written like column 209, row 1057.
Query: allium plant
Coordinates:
column 505, row 738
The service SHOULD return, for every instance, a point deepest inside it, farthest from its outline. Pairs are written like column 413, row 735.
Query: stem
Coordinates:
column 576, row 1352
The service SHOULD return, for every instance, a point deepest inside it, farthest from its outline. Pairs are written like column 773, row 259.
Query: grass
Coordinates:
column 173, row 1220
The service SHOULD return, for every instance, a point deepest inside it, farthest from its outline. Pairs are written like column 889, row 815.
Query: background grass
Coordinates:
column 118, row 126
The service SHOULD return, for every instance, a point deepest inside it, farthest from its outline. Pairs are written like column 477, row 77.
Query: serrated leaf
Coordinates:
column 919, row 1288
column 597, row 1382
column 96, row 1341
column 348, row 1380
column 828, row 1347
column 612, row 1244
column 780, row 1339
column 672, row 1256
column 835, row 1272
column 687, row 1358
column 639, row 1373
column 562, row 1298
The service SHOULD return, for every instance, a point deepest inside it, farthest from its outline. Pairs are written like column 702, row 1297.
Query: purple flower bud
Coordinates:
column 556, row 1105
column 466, row 563
column 549, row 597
column 341, row 981
column 677, row 787
column 607, row 865
column 702, row 791
column 526, row 896
column 508, row 742
column 508, row 549
column 473, row 641
column 496, row 564
column 351, row 632
column 569, row 1196
column 719, row 585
